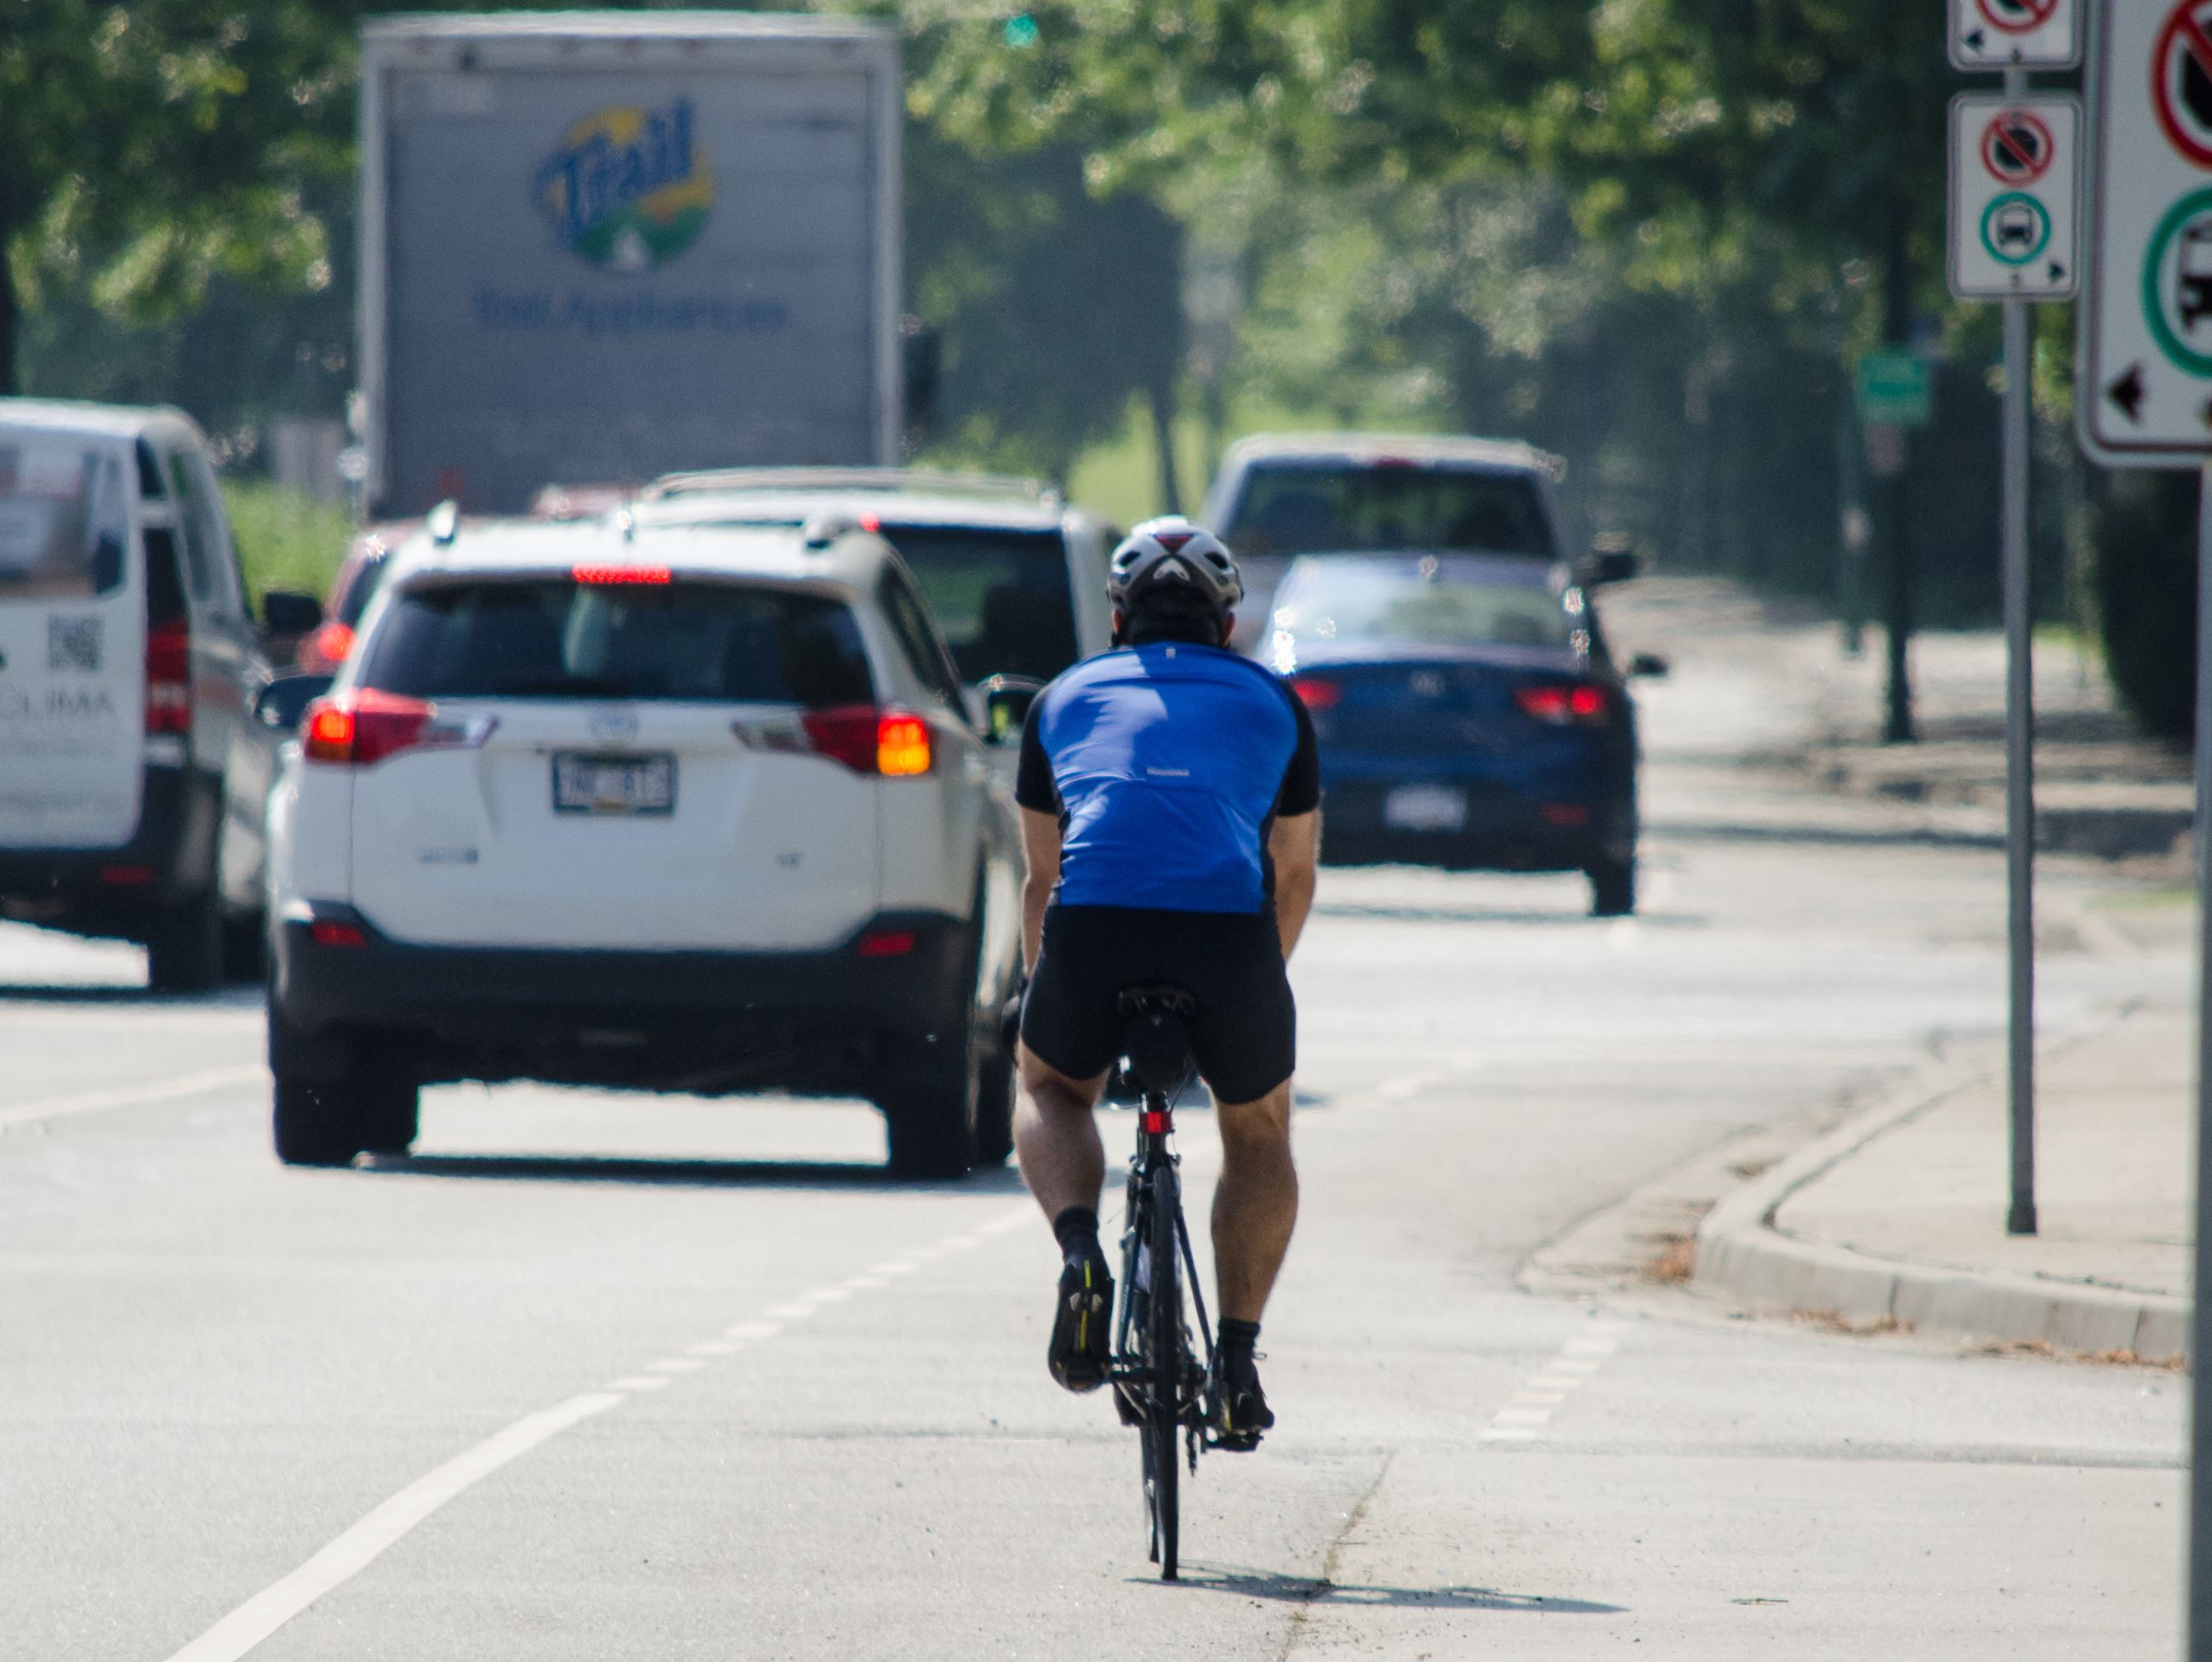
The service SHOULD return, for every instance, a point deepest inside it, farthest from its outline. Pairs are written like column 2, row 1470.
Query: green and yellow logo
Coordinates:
column 628, row 190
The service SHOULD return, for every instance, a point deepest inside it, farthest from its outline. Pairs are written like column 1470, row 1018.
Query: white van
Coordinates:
column 132, row 774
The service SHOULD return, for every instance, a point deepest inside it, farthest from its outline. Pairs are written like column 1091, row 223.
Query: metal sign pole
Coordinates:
column 2019, row 770
column 2200, row 1393
column 2019, row 752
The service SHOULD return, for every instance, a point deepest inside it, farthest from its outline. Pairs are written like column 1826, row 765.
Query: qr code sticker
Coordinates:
column 73, row 643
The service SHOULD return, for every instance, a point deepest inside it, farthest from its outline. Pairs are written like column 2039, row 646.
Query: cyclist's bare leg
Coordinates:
column 1256, row 1201
column 1056, row 1138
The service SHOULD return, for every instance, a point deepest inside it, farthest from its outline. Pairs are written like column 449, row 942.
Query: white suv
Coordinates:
column 677, row 809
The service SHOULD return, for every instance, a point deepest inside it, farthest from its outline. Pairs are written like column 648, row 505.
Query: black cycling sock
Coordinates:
column 1239, row 1337
column 1076, row 1228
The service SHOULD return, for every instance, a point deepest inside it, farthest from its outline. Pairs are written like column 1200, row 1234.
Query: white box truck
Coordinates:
column 596, row 247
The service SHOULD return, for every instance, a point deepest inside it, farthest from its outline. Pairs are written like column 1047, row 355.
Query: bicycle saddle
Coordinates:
column 1156, row 1034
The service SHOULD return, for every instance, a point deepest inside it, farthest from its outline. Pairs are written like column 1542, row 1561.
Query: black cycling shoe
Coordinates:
column 1082, row 1324
column 1238, row 1412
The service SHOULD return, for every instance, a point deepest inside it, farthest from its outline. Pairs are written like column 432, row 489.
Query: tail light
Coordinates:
column 1579, row 704
column 169, row 678
column 1318, row 695
column 868, row 740
column 887, row 943
column 328, row 644
column 361, row 728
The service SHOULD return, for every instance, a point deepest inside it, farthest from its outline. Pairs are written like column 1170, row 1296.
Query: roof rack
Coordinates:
column 918, row 482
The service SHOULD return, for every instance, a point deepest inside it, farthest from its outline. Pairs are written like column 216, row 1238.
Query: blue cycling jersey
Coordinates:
column 1167, row 762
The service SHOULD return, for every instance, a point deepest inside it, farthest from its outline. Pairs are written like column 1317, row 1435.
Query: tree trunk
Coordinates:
column 1163, row 400
column 10, row 309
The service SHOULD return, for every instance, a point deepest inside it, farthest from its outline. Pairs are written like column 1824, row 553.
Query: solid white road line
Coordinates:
column 353, row 1551
column 131, row 1096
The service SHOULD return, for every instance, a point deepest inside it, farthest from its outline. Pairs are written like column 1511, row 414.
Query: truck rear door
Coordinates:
column 72, row 641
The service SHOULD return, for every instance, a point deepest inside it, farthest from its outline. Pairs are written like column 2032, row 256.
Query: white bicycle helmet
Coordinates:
column 1171, row 551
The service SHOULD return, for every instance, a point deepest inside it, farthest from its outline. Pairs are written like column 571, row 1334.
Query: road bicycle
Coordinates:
column 1160, row 1384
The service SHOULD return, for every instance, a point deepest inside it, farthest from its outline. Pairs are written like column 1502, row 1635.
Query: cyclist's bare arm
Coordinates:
column 1294, row 845
column 1041, row 844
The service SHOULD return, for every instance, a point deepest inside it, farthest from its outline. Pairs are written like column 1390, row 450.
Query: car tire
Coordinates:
column 994, row 1109
column 315, row 1124
column 244, row 948
column 184, row 945
column 929, row 1116
column 1612, row 887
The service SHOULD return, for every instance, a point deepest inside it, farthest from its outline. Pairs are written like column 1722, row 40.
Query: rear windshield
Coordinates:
column 1348, row 601
column 1335, row 508
column 64, row 517
column 1000, row 597
column 354, row 603
column 550, row 637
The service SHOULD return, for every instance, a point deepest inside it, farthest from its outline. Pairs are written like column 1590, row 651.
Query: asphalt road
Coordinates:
column 603, row 1378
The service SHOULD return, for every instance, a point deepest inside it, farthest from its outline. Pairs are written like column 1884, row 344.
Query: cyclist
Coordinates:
column 1170, row 795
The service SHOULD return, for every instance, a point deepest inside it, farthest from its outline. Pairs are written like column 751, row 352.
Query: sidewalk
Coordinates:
column 2100, row 788
column 1899, row 1214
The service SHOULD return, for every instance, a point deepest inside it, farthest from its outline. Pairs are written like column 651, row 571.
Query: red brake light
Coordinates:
column 361, row 728
column 600, row 574
column 1581, row 703
column 325, row 931
column 328, row 644
column 169, row 678
column 887, row 943
column 868, row 740
column 1317, row 694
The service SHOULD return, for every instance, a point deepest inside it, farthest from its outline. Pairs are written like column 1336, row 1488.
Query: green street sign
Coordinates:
column 1894, row 389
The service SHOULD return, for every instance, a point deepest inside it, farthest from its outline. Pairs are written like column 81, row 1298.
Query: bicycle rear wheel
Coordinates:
column 1163, row 1353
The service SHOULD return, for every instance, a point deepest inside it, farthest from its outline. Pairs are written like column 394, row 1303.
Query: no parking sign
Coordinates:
column 2015, row 164
column 2145, row 351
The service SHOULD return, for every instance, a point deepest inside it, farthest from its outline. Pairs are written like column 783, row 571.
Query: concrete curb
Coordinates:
column 1742, row 1256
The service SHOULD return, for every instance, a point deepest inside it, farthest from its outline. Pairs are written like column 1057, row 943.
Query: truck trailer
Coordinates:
column 598, row 246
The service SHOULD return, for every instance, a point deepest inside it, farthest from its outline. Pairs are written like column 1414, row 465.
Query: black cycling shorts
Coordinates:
column 1245, row 1036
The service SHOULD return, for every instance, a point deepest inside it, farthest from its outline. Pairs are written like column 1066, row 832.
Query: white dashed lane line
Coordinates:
column 1527, row 1416
column 254, row 1621
column 133, row 1097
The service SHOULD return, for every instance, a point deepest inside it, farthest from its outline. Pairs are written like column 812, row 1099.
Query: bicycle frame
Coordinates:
column 1154, row 1166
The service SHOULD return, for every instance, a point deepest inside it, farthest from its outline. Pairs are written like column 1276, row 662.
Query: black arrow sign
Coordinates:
column 2057, row 272
column 2128, row 393
column 1978, row 40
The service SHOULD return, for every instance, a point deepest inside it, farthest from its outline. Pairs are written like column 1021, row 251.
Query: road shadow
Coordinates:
column 680, row 1173
column 136, row 998
column 1308, row 1590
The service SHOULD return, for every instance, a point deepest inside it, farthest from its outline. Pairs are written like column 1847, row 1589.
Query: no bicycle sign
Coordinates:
column 2015, row 164
column 2145, row 352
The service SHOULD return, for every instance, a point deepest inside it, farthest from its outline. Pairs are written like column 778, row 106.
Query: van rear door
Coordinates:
column 72, row 641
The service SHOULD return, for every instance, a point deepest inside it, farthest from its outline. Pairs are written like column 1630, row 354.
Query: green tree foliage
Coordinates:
column 147, row 149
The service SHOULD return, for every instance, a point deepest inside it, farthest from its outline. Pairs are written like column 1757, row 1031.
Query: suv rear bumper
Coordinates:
column 833, row 1020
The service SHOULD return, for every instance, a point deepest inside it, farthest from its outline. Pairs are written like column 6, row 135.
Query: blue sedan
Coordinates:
column 1467, row 712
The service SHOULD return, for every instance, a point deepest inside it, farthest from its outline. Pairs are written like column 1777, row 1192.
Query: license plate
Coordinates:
column 614, row 784
column 1426, row 808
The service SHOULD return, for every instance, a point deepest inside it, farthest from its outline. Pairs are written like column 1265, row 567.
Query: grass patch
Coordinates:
column 286, row 538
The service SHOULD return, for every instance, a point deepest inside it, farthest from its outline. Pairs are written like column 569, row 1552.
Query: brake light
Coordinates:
column 620, row 574
column 328, row 644
column 1581, row 704
column 327, row 931
column 1317, row 694
column 868, row 740
column 169, row 678
column 887, row 943
column 361, row 728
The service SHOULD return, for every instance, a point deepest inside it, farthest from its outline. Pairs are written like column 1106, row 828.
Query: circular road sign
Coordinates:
column 2176, row 284
column 2016, row 148
column 2015, row 228
column 2017, row 16
column 2181, row 80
